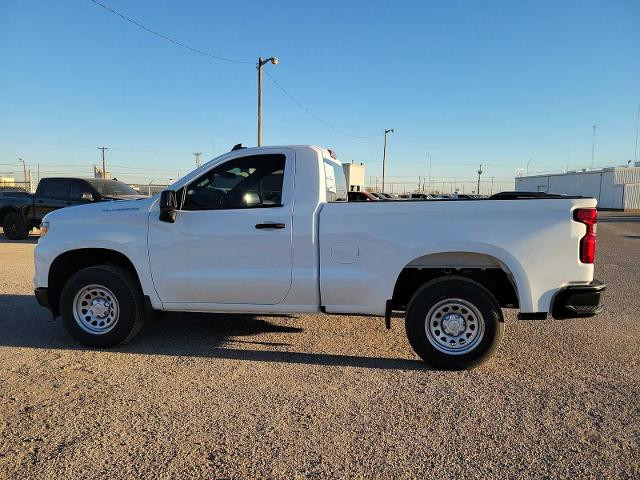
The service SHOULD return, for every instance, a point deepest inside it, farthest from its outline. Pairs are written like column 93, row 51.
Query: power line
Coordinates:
column 168, row 39
column 314, row 116
column 230, row 60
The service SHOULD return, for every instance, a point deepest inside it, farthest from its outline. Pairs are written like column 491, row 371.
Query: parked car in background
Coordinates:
column 22, row 211
column 268, row 230
column 379, row 196
column 361, row 197
column 421, row 196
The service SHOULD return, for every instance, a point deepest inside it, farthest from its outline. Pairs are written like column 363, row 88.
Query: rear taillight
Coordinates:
column 589, row 217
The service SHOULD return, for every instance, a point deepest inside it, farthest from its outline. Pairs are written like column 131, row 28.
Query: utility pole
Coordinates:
column 197, row 155
column 262, row 62
column 492, row 185
column 568, row 158
column 479, row 173
column 593, row 146
column 38, row 172
column 384, row 154
column 104, row 165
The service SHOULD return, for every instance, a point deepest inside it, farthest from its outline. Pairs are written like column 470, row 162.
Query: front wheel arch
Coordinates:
column 65, row 265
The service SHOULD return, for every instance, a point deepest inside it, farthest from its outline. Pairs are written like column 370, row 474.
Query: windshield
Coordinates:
column 112, row 188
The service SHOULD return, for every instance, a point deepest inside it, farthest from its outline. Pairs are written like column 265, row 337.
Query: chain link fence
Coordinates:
column 13, row 186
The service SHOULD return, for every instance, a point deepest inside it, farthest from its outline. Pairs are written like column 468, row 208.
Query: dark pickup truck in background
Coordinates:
column 22, row 211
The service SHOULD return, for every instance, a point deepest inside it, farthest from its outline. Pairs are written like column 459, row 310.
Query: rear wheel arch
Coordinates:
column 65, row 265
column 487, row 270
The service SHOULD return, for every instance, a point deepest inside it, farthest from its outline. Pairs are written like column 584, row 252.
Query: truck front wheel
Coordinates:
column 14, row 227
column 454, row 323
column 102, row 306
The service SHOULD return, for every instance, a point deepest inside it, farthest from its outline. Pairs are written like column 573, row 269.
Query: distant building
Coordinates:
column 355, row 176
column 7, row 182
column 615, row 188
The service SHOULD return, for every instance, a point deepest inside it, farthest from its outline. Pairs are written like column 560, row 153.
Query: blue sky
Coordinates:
column 492, row 82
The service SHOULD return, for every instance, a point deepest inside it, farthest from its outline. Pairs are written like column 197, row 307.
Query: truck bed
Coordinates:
column 361, row 243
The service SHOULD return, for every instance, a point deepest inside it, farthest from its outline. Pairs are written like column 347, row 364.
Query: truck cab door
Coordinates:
column 231, row 241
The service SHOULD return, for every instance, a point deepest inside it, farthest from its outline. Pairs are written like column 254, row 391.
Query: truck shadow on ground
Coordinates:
column 32, row 239
column 226, row 336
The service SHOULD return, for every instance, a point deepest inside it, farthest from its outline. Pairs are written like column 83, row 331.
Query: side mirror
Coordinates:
column 86, row 196
column 168, row 206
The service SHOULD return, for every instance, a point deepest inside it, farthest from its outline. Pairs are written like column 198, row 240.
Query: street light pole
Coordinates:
column 384, row 155
column 261, row 63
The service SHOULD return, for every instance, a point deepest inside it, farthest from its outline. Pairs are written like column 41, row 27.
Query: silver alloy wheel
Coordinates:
column 96, row 309
column 454, row 326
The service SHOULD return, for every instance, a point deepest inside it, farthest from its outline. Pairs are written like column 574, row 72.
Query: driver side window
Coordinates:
column 247, row 182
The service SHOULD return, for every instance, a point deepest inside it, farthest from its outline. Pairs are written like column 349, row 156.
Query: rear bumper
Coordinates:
column 42, row 296
column 578, row 301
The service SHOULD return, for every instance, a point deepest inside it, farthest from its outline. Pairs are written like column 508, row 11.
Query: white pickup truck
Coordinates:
column 268, row 230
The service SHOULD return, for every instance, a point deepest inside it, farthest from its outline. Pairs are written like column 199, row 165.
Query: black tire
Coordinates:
column 14, row 227
column 439, row 294
column 126, row 290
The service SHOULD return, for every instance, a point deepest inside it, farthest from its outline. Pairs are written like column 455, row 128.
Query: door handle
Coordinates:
column 270, row 226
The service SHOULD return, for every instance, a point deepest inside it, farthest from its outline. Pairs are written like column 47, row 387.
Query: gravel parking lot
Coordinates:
column 313, row 396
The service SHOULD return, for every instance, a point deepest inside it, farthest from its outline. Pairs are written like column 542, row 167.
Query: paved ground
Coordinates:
column 319, row 397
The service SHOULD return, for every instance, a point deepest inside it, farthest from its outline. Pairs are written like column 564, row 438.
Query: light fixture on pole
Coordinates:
column 384, row 154
column 261, row 63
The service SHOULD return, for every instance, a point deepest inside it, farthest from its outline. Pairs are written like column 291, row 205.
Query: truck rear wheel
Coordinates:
column 14, row 227
column 102, row 306
column 454, row 323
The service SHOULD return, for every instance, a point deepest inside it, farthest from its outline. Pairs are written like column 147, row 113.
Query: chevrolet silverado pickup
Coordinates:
column 268, row 230
column 22, row 211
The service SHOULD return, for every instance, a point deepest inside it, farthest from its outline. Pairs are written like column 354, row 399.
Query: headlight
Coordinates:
column 44, row 228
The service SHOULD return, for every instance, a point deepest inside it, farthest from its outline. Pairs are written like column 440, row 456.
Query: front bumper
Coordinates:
column 42, row 296
column 578, row 301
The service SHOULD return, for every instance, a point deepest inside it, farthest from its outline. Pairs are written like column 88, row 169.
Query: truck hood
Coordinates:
column 93, row 211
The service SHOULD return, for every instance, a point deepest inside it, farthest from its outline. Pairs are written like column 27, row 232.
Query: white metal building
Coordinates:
column 355, row 176
column 615, row 188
